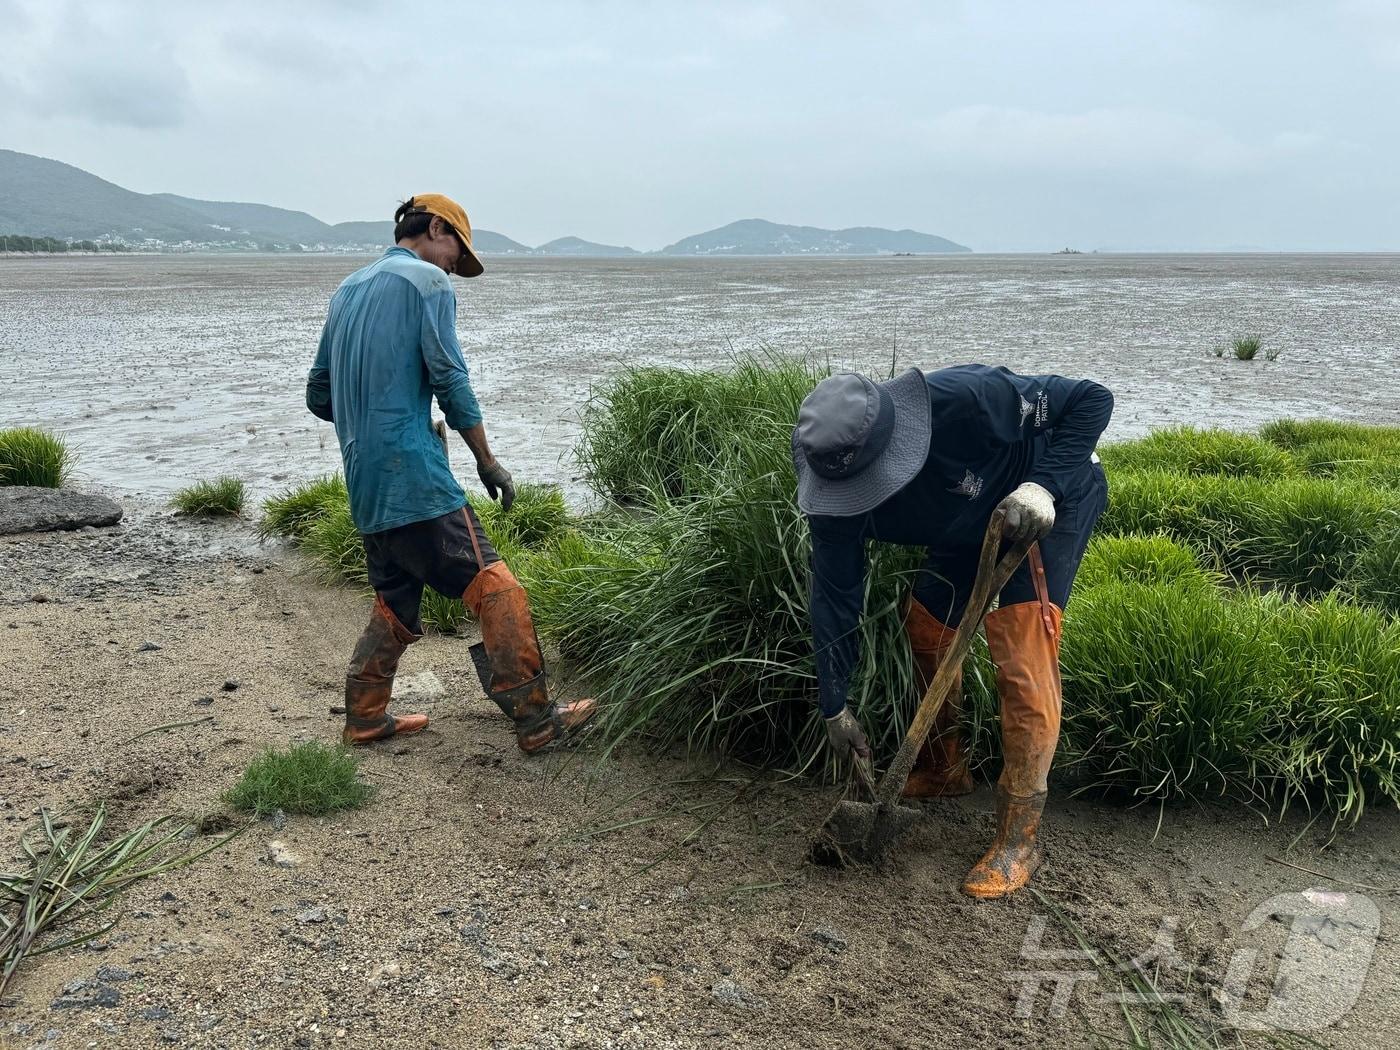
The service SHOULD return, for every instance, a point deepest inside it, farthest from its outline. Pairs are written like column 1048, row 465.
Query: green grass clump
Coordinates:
column 1374, row 577
column 686, row 608
column 1301, row 533
column 30, row 456
column 1188, row 450
column 670, row 434
column 1179, row 692
column 1245, row 347
column 335, row 547
column 1293, row 434
column 1168, row 694
column 292, row 512
column 212, row 498
column 312, row 778
column 1141, row 559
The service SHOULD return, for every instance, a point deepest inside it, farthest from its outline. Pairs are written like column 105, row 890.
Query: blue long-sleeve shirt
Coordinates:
column 991, row 430
column 388, row 347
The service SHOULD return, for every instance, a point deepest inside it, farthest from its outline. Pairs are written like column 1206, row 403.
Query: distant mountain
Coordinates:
column 256, row 220
column 498, row 244
column 761, row 237
column 578, row 246
column 50, row 199
column 47, row 198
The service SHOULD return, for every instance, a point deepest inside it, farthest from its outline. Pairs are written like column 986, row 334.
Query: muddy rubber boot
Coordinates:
column 370, row 681
column 510, row 666
column 941, row 767
column 1024, row 640
column 1015, row 854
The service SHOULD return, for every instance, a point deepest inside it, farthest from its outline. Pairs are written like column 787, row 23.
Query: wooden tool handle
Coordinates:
column 992, row 576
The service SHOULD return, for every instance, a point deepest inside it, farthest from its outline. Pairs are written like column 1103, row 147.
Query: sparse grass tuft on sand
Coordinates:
column 311, row 778
column 30, row 456
column 220, row 497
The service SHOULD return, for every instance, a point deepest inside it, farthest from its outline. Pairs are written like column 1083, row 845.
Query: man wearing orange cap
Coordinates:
column 389, row 347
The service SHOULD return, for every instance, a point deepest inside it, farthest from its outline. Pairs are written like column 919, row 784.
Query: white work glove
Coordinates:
column 1030, row 512
column 845, row 735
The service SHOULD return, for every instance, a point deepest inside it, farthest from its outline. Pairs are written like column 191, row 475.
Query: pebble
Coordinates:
column 834, row 941
column 230, row 684
column 148, row 647
column 203, row 701
column 278, row 854
column 732, row 993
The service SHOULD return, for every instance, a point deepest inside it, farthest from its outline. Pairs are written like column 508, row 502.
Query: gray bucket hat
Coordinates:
column 858, row 442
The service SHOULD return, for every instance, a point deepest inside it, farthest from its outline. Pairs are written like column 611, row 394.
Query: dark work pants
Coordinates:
column 945, row 581
column 437, row 552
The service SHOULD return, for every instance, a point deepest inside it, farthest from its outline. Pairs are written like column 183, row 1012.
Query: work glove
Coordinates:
column 498, row 482
column 845, row 735
column 1030, row 513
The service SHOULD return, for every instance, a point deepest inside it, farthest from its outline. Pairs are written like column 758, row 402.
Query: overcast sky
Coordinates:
column 1006, row 126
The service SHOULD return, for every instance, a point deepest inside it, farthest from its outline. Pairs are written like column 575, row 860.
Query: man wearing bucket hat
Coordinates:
column 924, row 459
column 389, row 347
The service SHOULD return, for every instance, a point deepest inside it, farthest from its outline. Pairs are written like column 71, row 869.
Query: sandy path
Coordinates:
column 468, row 905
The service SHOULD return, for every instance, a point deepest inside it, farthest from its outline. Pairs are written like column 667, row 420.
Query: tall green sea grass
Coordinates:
column 35, row 457
column 686, row 606
column 1233, row 631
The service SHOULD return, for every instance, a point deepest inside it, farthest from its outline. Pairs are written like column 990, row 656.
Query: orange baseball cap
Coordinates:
column 450, row 212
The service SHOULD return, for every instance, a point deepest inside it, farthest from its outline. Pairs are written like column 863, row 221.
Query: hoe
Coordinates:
column 864, row 832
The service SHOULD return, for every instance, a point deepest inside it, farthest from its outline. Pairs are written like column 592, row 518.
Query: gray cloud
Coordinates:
column 1005, row 124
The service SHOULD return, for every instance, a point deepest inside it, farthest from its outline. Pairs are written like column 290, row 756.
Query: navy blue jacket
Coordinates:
column 991, row 430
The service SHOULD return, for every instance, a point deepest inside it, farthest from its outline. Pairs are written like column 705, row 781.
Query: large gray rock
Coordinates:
column 27, row 509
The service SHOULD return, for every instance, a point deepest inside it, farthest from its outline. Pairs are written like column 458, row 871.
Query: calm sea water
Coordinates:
column 162, row 369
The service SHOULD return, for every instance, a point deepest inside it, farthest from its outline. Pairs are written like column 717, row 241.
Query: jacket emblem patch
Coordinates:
column 970, row 486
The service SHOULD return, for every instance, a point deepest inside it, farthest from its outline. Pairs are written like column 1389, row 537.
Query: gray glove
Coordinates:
column 498, row 483
column 1030, row 513
column 845, row 735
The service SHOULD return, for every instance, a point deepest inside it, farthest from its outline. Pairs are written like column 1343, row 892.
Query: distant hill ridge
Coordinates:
column 47, row 198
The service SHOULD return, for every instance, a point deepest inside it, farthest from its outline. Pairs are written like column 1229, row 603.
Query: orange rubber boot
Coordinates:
column 940, row 769
column 510, row 666
column 1024, row 640
column 370, row 682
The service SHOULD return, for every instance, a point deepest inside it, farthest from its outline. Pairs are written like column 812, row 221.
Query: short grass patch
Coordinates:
column 1193, row 451
column 30, row 456
column 312, row 778
column 1246, row 347
column 216, row 497
column 293, row 511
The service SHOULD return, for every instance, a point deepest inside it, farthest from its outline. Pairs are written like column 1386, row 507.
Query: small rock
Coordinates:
column 501, row 967
column 314, row 914
column 732, row 993
column 203, row 701
column 834, row 941
column 418, row 688
column 39, row 598
column 278, row 854
column 106, row 997
column 383, row 974
column 148, row 647
column 230, row 684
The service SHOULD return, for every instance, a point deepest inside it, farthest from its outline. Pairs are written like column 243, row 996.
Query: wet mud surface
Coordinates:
column 487, row 899
column 163, row 369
